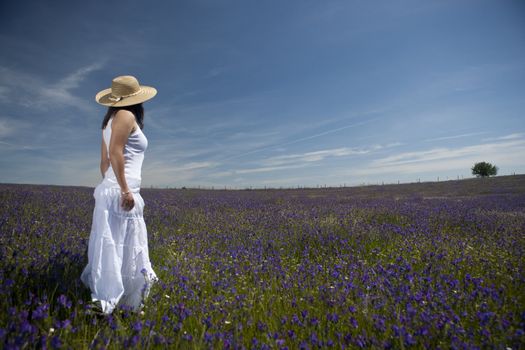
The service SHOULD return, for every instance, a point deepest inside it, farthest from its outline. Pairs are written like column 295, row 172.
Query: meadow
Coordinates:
column 430, row 265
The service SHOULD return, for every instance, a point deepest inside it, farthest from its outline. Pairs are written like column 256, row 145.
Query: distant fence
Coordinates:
column 343, row 185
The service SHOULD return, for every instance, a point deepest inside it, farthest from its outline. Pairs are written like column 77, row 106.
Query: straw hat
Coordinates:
column 125, row 90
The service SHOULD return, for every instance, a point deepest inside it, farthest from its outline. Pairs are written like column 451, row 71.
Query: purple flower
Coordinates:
column 208, row 337
column 40, row 312
column 206, row 321
column 409, row 339
column 159, row 339
column 303, row 345
column 137, row 326
column 261, row 326
column 9, row 282
column 485, row 317
column 63, row 300
column 360, row 341
column 255, row 341
column 353, row 322
column 333, row 317
column 313, row 338
column 379, row 323
column 134, row 340
column 26, row 327
column 296, row 320
column 64, row 324
column 55, row 342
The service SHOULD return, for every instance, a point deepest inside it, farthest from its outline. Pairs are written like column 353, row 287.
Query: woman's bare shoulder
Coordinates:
column 123, row 116
column 123, row 119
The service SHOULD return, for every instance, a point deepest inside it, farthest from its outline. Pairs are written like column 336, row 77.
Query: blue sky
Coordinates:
column 267, row 93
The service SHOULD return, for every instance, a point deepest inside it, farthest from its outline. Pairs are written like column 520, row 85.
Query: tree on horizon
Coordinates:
column 484, row 169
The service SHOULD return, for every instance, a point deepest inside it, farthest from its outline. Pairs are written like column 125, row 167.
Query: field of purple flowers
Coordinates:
column 437, row 265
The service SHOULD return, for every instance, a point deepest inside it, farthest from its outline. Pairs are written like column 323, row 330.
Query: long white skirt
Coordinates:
column 119, row 271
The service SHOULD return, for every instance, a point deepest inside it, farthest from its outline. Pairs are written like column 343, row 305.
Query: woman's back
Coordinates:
column 134, row 149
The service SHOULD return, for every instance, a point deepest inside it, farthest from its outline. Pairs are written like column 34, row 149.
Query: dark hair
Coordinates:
column 137, row 110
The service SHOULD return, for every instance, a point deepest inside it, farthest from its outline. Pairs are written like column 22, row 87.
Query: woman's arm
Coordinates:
column 121, row 127
column 104, row 159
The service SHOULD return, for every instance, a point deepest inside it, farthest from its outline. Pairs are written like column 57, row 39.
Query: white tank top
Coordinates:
column 133, row 157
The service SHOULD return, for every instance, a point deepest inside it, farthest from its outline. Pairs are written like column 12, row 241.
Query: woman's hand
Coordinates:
column 128, row 202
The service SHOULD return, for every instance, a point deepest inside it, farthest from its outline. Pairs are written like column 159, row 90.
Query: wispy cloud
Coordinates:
column 455, row 136
column 74, row 168
column 287, row 181
column 11, row 127
column 4, row 92
column 447, row 153
column 316, row 156
column 73, row 80
column 506, row 137
column 31, row 91
column 5, row 128
column 265, row 169
column 255, row 170
column 310, row 137
column 509, row 153
column 60, row 93
column 162, row 173
column 8, row 146
column 301, row 160
column 212, row 73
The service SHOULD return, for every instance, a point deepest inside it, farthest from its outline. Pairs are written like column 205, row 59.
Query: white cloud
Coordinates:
column 455, row 136
column 287, row 181
column 506, row 137
column 4, row 93
column 8, row 146
column 316, row 156
column 11, row 128
column 76, row 169
column 180, row 167
column 65, row 169
column 5, row 128
column 242, row 135
column 160, row 173
column 262, row 169
column 510, row 154
column 300, row 160
column 31, row 91
column 267, row 169
column 73, row 80
column 447, row 153
column 287, row 143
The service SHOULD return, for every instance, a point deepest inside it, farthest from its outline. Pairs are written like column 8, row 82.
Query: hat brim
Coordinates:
column 146, row 93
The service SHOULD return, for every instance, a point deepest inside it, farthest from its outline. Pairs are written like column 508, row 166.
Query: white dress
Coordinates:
column 119, row 271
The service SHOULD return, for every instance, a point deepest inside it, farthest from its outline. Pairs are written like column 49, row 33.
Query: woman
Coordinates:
column 119, row 271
